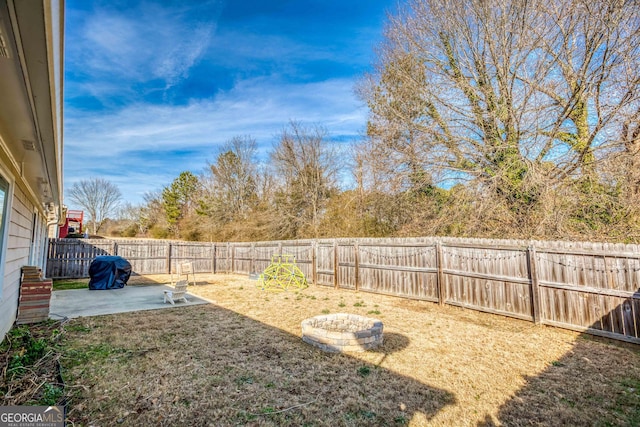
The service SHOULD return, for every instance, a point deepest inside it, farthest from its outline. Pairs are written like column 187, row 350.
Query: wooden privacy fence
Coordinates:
column 71, row 258
column 592, row 287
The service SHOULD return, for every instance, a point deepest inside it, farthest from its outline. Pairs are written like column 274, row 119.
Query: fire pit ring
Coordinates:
column 340, row 332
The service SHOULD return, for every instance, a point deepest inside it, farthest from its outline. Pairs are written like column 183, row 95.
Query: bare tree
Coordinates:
column 132, row 216
column 631, row 155
column 98, row 197
column 231, row 182
column 307, row 165
column 506, row 91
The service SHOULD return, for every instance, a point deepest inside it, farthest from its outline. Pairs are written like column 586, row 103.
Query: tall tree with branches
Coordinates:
column 231, row 182
column 177, row 198
column 99, row 197
column 517, row 95
column 307, row 164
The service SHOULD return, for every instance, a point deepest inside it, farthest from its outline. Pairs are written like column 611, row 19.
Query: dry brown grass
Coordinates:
column 241, row 361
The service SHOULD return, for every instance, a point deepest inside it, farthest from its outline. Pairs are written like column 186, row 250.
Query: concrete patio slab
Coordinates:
column 84, row 302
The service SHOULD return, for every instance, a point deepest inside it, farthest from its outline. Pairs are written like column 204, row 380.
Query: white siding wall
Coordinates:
column 16, row 255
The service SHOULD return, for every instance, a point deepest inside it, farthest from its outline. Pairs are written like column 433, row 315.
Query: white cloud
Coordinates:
column 125, row 141
column 153, row 43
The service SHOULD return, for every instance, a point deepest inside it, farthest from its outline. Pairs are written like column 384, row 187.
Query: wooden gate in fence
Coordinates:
column 592, row 287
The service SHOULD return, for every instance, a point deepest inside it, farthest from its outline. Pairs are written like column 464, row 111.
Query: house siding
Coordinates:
column 17, row 254
column 30, row 139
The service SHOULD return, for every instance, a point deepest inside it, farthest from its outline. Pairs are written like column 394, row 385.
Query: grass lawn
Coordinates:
column 241, row 361
column 134, row 280
column 66, row 284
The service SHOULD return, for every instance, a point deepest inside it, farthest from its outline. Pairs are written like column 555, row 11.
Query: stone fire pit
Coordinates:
column 342, row 332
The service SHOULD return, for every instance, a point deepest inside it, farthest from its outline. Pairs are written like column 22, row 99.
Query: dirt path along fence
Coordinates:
column 591, row 287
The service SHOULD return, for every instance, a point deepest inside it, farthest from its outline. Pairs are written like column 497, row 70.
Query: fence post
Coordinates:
column 314, row 262
column 535, row 288
column 228, row 258
column 335, row 264
column 114, row 251
column 252, row 267
column 168, row 258
column 356, row 255
column 233, row 258
column 442, row 297
column 213, row 258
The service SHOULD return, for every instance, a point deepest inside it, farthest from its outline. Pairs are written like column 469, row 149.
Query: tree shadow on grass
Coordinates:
column 596, row 383
column 205, row 365
column 393, row 342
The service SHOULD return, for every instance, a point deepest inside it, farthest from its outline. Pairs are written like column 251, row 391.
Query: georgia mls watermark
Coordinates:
column 32, row 416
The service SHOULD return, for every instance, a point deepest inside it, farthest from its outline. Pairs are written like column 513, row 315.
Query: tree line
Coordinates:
column 240, row 197
column 487, row 118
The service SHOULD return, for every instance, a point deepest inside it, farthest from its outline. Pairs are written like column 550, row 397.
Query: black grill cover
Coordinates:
column 109, row 272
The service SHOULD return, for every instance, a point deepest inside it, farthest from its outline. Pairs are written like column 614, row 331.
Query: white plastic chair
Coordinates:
column 178, row 293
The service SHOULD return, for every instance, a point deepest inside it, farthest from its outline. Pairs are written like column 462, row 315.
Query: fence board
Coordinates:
column 302, row 251
column 144, row 258
column 325, row 264
column 346, row 266
column 242, row 257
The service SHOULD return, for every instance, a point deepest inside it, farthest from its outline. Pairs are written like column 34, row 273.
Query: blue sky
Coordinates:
column 153, row 88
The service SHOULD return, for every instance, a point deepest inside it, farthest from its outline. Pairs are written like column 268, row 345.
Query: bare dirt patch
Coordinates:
column 242, row 361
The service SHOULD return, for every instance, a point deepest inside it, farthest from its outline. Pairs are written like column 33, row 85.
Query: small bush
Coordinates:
column 191, row 235
column 30, row 351
column 364, row 371
column 159, row 232
column 130, row 231
column 51, row 394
